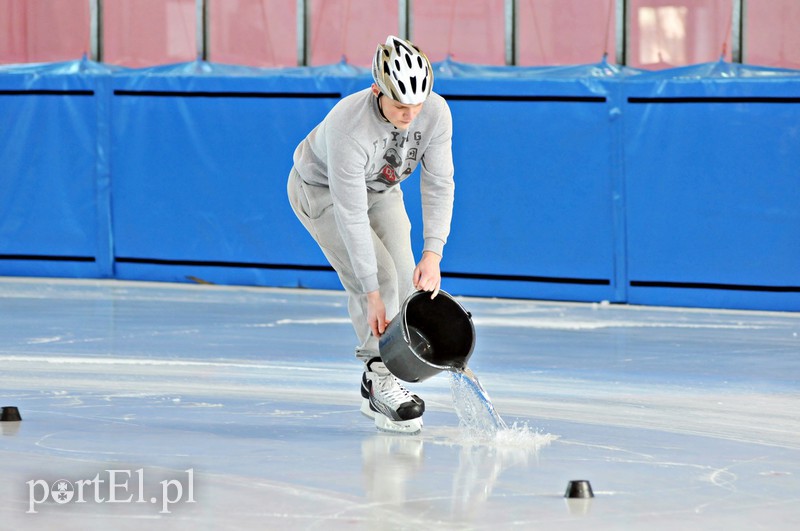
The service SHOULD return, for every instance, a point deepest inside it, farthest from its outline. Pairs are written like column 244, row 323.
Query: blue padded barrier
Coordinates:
column 534, row 215
column 201, row 161
column 586, row 183
column 713, row 188
column 54, row 210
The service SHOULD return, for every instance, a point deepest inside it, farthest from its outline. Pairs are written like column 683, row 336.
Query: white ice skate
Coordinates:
column 392, row 407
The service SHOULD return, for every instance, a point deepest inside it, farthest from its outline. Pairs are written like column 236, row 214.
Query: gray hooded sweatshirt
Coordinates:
column 354, row 152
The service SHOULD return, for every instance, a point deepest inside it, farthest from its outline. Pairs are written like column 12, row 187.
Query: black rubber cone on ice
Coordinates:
column 579, row 489
column 10, row 414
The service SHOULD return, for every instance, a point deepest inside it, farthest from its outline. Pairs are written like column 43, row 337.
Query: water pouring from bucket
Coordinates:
column 429, row 336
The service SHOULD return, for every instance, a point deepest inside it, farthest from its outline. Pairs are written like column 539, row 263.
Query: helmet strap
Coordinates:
column 380, row 107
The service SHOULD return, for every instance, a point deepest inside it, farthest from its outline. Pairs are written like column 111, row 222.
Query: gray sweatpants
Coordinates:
column 391, row 236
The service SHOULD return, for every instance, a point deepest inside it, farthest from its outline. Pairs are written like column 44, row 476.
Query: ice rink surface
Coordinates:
column 163, row 406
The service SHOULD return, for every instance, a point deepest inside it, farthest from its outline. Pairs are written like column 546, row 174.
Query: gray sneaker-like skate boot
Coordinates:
column 389, row 403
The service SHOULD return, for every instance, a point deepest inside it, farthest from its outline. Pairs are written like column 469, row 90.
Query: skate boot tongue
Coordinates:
column 376, row 365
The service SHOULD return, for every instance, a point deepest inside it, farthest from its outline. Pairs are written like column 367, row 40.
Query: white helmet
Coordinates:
column 402, row 72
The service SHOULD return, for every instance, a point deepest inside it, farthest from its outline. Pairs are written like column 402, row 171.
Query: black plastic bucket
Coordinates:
column 427, row 336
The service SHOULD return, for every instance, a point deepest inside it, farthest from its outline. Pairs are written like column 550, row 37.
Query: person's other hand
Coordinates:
column 376, row 313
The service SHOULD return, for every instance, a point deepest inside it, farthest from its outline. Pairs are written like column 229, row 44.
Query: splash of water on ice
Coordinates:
column 481, row 423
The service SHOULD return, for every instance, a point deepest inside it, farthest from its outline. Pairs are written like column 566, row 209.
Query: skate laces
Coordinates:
column 392, row 392
column 389, row 388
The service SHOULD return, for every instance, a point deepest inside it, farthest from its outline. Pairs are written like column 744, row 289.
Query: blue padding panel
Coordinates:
column 201, row 163
column 50, row 218
column 533, row 211
column 713, row 195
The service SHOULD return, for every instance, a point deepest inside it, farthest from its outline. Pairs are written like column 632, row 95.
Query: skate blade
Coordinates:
column 407, row 427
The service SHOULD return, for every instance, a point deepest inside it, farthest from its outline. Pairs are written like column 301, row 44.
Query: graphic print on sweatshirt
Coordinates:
column 399, row 158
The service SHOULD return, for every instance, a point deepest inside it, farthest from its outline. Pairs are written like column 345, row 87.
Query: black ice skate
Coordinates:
column 389, row 403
